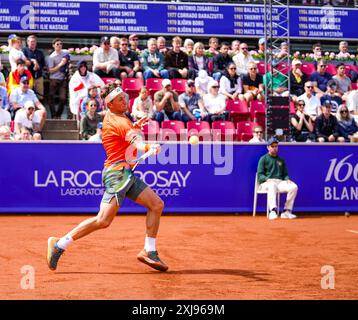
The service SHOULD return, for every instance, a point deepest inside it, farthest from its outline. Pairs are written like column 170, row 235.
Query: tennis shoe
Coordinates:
column 288, row 215
column 272, row 215
column 152, row 259
column 54, row 253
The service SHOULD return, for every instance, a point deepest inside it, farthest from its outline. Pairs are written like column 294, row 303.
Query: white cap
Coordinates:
column 29, row 104
column 296, row 61
column 212, row 83
column 166, row 82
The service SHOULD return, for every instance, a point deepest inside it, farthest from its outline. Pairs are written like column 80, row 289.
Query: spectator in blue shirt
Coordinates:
column 4, row 98
column 320, row 78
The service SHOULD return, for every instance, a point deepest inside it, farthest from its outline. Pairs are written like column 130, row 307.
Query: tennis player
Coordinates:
column 121, row 139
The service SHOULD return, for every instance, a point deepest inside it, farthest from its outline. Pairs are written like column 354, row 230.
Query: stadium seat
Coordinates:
column 283, row 67
column 223, row 130
column 259, row 190
column 172, row 130
column 153, row 85
column 151, row 130
column 178, row 85
column 244, row 130
column 348, row 68
column 331, row 69
column 257, row 107
column 200, row 129
column 308, row 68
column 354, row 86
column 132, row 86
column 108, row 80
column 261, row 67
column 292, row 107
column 238, row 110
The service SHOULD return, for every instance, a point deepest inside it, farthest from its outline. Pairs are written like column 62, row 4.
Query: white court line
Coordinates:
column 353, row 231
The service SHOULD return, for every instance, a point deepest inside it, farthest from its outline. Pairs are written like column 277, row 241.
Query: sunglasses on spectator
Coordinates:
column 309, row 87
column 215, row 87
column 26, row 82
column 232, row 68
column 323, row 66
column 135, row 39
column 124, row 44
column 344, row 111
column 245, row 48
column 302, row 104
column 253, row 68
column 191, row 85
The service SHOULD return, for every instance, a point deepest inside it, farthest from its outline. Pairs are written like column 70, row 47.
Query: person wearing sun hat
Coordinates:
column 273, row 177
column 297, row 78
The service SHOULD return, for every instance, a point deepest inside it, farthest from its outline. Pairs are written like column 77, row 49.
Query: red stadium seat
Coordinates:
column 151, row 130
column 223, row 130
column 354, row 86
column 258, row 112
column 178, row 85
column 132, row 86
column 331, row 69
column 108, row 80
column 153, row 85
column 238, row 110
column 308, row 68
column 173, row 130
column 244, row 130
column 292, row 107
column 283, row 67
column 261, row 67
column 348, row 68
column 200, row 129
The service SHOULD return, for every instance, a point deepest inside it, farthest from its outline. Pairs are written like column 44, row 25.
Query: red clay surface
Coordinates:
column 209, row 257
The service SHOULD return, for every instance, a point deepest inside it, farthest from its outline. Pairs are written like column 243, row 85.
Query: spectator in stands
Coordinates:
column 106, row 60
column 202, row 81
column 343, row 50
column 273, row 177
column 276, row 83
column 188, row 46
column 114, row 43
column 5, row 133
column 262, row 46
column 143, row 106
column 166, row 103
column 317, row 51
column 5, row 117
column 4, row 99
column 326, row 125
column 230, row 84
column 37, row 60
column 347, row 126
column 312, row 102
column 213, row 46
column 16, row 53
column 320, row 78
column 243, row 59
column 252, row 84
column 2, row 77
column 283, row 51
column 15, row 77
column 191, row 103
column 153, row 61
column 215, row 103
column 129, row 64
column 27, row 117
column 258, row 132
column 89, row 122
column 25, row 135
column 134, row 43
column 220, row 61
column 80, row 82
column 332, row 96
column 161, row 43
column 344, row 83
column 98, row 136
column 198, row 61
column 58, row 64
column 235, row 48
column 176, row 61
column 352, row 103
column 301, row 124
column 93, row 94
column 23, row 94
column 297, row 78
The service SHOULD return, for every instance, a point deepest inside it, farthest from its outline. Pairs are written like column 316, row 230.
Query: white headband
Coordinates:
column 114, row 93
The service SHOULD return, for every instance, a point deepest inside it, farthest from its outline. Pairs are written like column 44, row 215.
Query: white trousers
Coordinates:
column 272, row 186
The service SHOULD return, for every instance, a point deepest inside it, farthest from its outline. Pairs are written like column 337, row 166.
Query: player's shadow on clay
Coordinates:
column 228, row 272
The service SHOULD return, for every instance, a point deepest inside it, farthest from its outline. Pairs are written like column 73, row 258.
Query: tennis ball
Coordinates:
column 194, row 140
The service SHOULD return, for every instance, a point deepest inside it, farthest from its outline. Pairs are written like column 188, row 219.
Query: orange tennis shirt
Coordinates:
column 117, row 134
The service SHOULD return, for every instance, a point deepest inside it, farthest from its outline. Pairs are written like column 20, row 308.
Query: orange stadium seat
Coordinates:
column 200, row 129
column 132, row 86
column 223, row 130
column 178, row 85
column 238, row 110
column 153, row 85
column 244, row 130
column 173, row 128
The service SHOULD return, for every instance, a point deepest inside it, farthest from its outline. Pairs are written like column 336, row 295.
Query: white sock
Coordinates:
column 149, row 244
column 64, row 242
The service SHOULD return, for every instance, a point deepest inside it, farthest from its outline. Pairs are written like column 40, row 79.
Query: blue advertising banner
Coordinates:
column 227, row 20
column 66, row 177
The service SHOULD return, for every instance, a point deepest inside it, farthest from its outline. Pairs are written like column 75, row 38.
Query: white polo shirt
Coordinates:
column 312, row 104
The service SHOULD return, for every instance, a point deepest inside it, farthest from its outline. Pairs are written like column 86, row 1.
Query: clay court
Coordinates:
column 209, row 257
